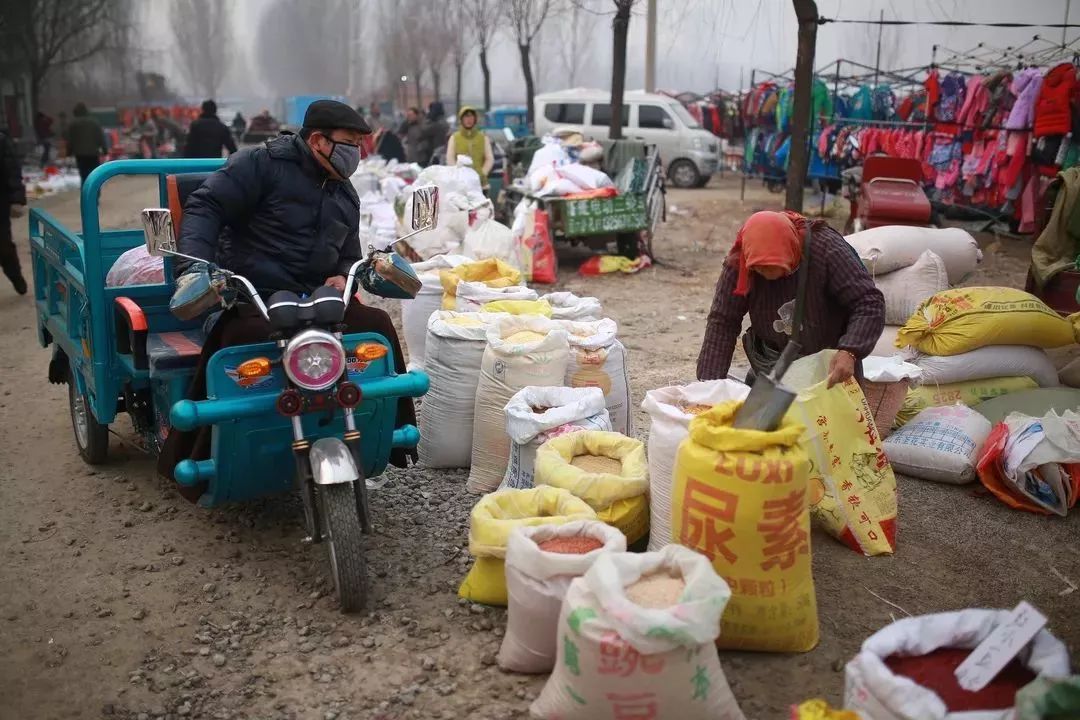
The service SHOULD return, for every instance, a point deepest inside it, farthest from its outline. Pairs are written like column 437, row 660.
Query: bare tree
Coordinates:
column 621, row 28
column 459, row 44
column 485, row 17
column 203, row 33
column 293, row 44
column 526, row 18
column 438, row 38
column 573, row 37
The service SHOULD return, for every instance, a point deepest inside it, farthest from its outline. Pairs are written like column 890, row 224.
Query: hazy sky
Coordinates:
column 702, row 43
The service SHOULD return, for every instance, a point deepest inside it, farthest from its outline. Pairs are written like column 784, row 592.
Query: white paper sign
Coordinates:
column 1000, row 647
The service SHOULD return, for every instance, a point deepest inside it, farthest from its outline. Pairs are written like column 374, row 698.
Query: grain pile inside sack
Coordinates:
column 598, row 359
column 492, row 272
column 605, row 469
column 892, row 247
column 635, row 640
column 519, row 307
column 908, row 288
column 473, row 296
column 536, row 414
column 540, row 563
column 415, row 313
column 492, row 520
column 455, row 350
column 670, row 411
column 522, row 351
column 741, row 500
column 940, row 444
column 568, row 306
column 907, row 669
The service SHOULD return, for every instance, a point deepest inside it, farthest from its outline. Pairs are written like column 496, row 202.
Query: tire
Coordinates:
column 344, row 543
column 684, row 174
column 91, row 437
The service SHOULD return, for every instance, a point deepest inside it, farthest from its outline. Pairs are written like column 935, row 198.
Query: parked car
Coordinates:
column 690, row 153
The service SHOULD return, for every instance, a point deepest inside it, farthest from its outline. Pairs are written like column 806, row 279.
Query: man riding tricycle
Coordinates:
column 293, row 384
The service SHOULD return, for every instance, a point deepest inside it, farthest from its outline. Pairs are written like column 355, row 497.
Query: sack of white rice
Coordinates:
column 522, row 351
column 416, row 312
column 598, row 359
column 568, row 306
column 635, row 640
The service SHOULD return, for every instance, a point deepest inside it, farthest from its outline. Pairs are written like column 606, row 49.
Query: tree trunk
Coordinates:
column 530, row 90
column 798, row 156
column 487, row 76
column 458, row 67
column 621, row 27
column 419, row 88
column 436, row 82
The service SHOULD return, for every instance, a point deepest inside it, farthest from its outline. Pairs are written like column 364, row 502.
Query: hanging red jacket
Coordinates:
column 1052, row 109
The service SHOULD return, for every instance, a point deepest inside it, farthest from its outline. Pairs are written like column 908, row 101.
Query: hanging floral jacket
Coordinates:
column 953, row 88
column 1001, row 99
column 1052, row 109
column 1025, row 86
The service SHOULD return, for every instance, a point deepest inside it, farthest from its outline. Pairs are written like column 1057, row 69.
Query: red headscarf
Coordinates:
column 767, row 238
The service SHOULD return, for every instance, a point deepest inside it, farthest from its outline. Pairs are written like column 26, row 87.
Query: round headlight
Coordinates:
column 314, row 360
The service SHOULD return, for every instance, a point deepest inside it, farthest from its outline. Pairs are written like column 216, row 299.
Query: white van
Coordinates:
column 689, row 152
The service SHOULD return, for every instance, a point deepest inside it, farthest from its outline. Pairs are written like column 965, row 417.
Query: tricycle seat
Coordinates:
column 177, row 350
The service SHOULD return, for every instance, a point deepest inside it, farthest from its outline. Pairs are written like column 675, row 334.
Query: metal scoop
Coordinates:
column 764, row 408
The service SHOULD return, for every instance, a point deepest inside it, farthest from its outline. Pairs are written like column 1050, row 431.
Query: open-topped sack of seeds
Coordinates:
column 519, row 307
column 521, row 351
column 568, row 306
column 635, row 640
column 492, row 272
column 492, row 520
column 598, row 359
column 473, row 296
column 605, row 469
column 540, row 563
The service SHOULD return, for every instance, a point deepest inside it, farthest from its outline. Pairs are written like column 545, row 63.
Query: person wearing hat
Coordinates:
column 471, row 142
column 285, row 216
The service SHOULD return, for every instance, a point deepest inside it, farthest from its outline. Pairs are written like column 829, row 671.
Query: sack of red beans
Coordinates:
column 907, row 669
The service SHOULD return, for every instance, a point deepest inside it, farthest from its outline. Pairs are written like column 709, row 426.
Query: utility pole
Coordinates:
column 650, row 47
column 798, row 157
column 877, row 59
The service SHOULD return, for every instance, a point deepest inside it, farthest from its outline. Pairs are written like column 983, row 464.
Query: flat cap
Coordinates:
column 333, row 115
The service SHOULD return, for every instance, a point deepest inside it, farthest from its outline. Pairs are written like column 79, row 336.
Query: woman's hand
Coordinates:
column 841, row 368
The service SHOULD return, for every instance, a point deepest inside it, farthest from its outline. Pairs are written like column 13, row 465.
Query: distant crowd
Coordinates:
column 416, row 139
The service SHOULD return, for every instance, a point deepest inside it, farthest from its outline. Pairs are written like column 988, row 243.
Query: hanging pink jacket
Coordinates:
column 976, row 99
column 1025, row 86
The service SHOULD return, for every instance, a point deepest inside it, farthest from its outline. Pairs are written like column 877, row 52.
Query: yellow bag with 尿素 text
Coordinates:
column 740, row 498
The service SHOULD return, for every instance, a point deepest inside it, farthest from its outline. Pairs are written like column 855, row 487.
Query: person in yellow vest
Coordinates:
column 471, row 141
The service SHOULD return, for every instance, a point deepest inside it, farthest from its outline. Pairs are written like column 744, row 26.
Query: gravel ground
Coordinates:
column 121, row 600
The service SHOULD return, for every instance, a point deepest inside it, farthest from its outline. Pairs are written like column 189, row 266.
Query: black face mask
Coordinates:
column 343, row 157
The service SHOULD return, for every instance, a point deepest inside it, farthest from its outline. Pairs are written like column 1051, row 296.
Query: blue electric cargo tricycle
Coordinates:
column 311, row 410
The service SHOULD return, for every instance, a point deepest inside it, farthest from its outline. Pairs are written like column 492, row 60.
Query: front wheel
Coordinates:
column 91, row 437
column 684, row 174
column 345, row 544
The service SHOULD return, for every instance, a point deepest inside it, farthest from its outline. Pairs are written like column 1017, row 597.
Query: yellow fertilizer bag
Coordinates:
column 852, row 485
column 740, row 499
column 964, row 319
column 492, row 519
column 492, row 272
column 519, row 307
column 970, row 393
column 605, row 469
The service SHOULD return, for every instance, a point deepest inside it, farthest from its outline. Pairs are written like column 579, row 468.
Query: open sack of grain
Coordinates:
column 568, row 306
column 598, row 359
column 536, row 414
column 541, row 561
column 635, row 640
column 473, row 296
column 605, row 469
column 493, row 273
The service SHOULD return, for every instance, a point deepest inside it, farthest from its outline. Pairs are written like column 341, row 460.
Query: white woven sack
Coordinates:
column 617, row 659
column 598, row 359
column 509, row 366
column 416, row 312
column 873, row 691
column 568, row 306
column 472, row 296
column 669, row 426
column 536, row 583
column 489, row 238
column 567, row 410
column 906, row 289
column 454, row 353
column 940, row 444
column 891, row 247
column 992, row 361
column 886, row 344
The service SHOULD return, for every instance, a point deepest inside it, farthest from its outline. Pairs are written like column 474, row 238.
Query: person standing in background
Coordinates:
column 208, row 136
column 239, row 124
column 436, row 132
column 412, row 132
column 471, row 142
column 376, row 119
column 12, row 205
column 85, row 141
column 44, row 134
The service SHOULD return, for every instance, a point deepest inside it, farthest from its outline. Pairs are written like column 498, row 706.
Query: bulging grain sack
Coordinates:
column 536, row 583
column 598, row 359
column 886, row 344
column 618, row 658
column 492, row 520
column 519, row 307
column 416, row 312
column 491, row 272
column 568, row 306
column 670, row 411
column 908, row 288
column 454, row 351
column 521, row 351
column 965, row 319
column 741, row 500
column 968, row 393
column 988, row 362
column 605, row 469
column 873, row 690
column 940, row 444
column 892, row 247
column 536, row 414
column 473, row 296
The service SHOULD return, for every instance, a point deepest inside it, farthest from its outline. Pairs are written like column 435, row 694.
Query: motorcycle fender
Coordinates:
column 331, row 462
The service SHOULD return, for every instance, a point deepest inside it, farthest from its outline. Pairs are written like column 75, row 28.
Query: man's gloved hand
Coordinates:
column 17, row 211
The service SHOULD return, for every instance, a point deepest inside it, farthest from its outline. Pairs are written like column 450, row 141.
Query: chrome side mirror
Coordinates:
column 425, row 209
column 158, row 229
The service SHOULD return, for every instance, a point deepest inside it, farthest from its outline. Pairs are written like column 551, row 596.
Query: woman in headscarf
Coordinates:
column 843, row 308
column 471, row 141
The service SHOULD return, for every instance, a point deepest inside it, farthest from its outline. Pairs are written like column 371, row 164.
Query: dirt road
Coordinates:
column 121, row 600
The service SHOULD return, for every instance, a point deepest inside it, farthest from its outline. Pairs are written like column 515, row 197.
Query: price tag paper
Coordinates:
column 1000, row 647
